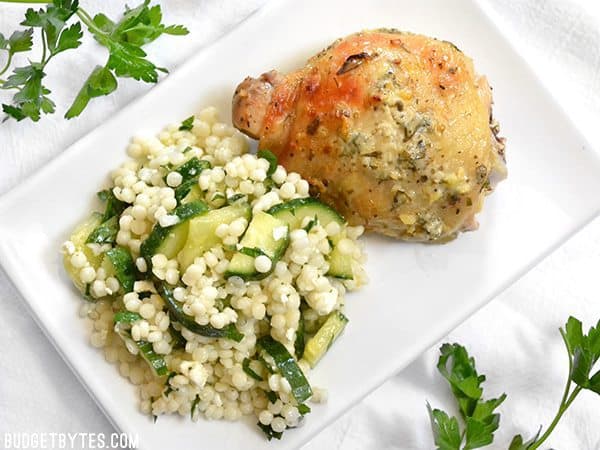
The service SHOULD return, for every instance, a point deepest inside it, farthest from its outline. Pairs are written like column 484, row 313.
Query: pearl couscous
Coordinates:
column 213, row 281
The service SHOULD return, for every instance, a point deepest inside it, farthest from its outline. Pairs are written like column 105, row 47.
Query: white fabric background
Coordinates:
column 514, row 338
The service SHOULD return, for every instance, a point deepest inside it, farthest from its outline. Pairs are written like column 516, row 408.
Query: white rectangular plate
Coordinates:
column 416, row 292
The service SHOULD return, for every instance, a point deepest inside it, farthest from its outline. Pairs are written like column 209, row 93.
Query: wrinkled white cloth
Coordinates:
column 514, row 338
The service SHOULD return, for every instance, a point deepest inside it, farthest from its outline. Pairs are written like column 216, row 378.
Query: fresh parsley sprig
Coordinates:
column 31, row 97
column 480, row 420
column 583, row 351
column 19, row 41
column 60, row 29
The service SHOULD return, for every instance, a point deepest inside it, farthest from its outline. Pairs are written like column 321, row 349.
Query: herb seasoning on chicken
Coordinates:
column 393, row 129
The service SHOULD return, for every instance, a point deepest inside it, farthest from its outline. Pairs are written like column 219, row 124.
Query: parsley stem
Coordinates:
column 88, row 21
column 568, row 385
column 565, row 401
column 43, row 46
column 561, row 410
column 81, row 11
column 8, row 61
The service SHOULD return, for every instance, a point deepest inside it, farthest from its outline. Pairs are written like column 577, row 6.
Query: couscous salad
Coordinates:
column 212, row 279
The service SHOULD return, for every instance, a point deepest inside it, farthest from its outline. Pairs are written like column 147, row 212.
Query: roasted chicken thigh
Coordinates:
column 393, row 129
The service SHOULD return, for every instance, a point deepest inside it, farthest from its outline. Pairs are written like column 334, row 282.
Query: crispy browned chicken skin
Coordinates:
column 393, row 129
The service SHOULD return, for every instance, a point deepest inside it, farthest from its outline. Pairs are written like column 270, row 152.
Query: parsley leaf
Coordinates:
column 595, row 383
column 130, row 61
column 458, row 368
column 480, row 433
column 19, row 41
column 446, row 432
column 123, row 39
column 584, row 350
column 69, row 38
column 483, row 423
column 142, row 25
column 137, row 27
column 52, row 20
column 518, row 444
column 176, row 30
column 100, row 82
column 32, row 96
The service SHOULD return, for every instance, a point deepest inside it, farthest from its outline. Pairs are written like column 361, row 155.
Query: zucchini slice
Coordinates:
column 121, row 264
column 201, row 235
column 340, row 266
column 123, row 321
column 318, row 345
column 176, row 310
column 174, row 240
column 287, row 367
column 114, row 206
column 170, row 240
column 194, row 194
column 105, row 233
column 294, row 211
column 155, row 361
column 266, row 235
column 242, row 265
column 79, row 238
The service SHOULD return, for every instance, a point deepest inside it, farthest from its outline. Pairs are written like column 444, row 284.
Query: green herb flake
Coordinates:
column 271, row 396
column 194, row 406
column 310, row 225
column 187, row 124
column 105, row 233
column 154, row 417
column 269, row 433
column 249, row 371
column 168, row 388
column 300, row 342
column 126, row 317
column 303, row 409
column 269, row 156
